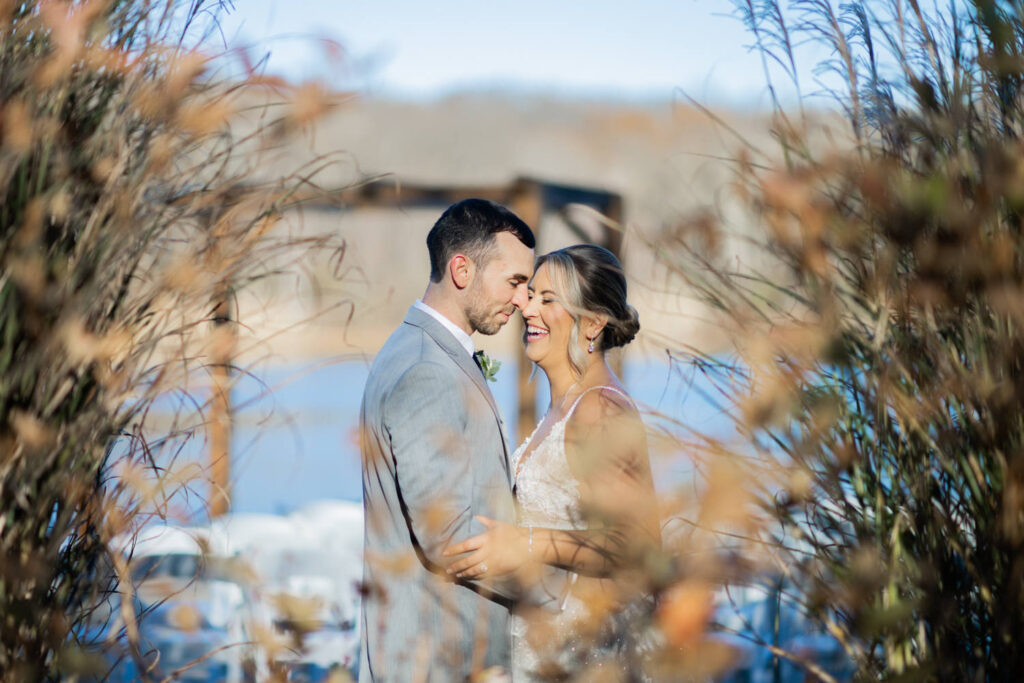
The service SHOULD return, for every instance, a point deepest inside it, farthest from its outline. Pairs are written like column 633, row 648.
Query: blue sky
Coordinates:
column 637, row 49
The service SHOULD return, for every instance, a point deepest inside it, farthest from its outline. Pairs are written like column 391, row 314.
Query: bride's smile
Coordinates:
column 534, row 333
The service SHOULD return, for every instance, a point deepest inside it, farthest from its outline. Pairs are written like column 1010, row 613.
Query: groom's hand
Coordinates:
column 502, row 549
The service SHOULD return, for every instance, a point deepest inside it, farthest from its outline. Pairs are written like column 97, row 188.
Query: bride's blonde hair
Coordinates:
column 591, row 283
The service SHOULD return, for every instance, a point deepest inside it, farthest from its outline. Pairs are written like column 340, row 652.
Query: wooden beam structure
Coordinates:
column 528, row 204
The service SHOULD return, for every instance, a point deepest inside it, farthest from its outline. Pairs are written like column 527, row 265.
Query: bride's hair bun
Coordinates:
column 621, row 331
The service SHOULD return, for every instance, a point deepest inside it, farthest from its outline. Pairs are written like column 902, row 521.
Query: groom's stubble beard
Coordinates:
column 482, row 316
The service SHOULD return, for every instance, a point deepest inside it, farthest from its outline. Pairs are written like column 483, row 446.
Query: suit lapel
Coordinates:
column 458, row 354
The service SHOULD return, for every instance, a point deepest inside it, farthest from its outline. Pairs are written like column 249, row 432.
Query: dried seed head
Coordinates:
column 685, row 612
column 18, row 132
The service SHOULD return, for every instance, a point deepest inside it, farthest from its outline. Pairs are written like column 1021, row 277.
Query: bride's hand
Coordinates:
column 500, row 550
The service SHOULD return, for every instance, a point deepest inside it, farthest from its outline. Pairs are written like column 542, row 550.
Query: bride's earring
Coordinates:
column 590, row 347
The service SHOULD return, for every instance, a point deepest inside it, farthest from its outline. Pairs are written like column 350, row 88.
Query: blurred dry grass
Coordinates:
column 877, row 375
column 129, row 213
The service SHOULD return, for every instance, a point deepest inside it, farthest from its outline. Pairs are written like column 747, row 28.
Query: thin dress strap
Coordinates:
column 579, row 398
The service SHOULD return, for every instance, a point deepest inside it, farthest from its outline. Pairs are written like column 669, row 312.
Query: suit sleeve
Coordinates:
column 426, row 416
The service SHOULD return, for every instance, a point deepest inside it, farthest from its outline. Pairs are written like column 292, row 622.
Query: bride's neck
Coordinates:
column 564, row 383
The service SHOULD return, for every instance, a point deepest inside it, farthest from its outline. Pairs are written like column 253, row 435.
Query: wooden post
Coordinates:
column 222, row 350
column 613, row 243
column 528, row 204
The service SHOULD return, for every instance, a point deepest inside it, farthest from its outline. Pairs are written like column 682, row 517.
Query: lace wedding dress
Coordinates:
column 548, row 496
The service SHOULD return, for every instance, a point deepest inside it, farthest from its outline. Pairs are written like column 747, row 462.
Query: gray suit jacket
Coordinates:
column 434, row 455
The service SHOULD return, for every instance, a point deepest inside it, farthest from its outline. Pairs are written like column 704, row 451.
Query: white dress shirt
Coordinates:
column 459, row 334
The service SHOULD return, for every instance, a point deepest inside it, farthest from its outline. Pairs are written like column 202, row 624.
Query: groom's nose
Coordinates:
column 520, row 298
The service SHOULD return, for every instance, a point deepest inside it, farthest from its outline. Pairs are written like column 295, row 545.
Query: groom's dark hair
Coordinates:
column 468, row 227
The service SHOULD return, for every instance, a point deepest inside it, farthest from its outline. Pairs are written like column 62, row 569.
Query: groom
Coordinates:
column 434, row 455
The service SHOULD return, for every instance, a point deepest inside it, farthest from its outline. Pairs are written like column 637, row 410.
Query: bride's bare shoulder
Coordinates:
column 605, row 429
column 603, row 403
column 601, row 411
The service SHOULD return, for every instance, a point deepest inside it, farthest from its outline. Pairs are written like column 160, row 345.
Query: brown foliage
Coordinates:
column 127, row 213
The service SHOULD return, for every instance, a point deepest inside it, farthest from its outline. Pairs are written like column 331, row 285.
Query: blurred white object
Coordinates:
column 233, row 569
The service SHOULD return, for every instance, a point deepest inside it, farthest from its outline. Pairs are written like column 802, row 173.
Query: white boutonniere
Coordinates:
column 488, row 365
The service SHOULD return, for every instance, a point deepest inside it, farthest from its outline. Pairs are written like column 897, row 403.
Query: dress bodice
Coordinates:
column 547, row 494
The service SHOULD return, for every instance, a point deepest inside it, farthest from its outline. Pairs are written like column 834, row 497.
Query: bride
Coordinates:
column 583, row 485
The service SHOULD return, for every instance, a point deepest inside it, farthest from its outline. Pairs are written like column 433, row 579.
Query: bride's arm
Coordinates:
column 606, row 450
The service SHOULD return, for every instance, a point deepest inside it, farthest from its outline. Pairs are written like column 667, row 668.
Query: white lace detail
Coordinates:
column 547, row 496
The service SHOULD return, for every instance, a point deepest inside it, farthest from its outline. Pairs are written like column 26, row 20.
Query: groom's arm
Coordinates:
column 426, row 416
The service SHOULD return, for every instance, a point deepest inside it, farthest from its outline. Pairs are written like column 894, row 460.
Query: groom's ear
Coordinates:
column 461, row 270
